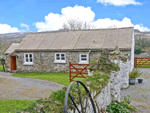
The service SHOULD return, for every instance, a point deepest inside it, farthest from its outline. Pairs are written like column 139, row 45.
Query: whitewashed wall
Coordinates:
column 132, row 52
column 111, row 92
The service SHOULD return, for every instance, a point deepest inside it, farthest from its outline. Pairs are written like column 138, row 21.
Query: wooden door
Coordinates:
column 13, row 62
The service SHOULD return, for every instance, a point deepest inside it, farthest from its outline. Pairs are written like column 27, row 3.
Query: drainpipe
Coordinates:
column 89, row 51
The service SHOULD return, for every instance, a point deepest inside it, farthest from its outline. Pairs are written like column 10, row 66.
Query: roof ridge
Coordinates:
column 56, row 31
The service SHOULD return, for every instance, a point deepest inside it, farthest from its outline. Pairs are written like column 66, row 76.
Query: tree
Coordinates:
column 143, row 43
column 76, row 24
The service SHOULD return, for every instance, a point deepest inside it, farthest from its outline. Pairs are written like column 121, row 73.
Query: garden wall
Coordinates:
column 111, row 92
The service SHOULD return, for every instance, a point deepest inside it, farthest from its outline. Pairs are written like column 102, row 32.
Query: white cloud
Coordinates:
column 24, row 25
column 5, row 28
column 55, row 21
column 108, row 23
column 119, row 2
column 141, row 27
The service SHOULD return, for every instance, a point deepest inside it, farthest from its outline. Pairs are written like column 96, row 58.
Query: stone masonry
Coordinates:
column 44, row 61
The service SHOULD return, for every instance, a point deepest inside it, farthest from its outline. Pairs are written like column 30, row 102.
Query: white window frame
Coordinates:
column 84, row 62
column 59, row 61
column 28, row 63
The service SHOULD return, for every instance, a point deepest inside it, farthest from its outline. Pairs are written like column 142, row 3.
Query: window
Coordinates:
column 28, row 59
column 84, row 58
column 60, row 58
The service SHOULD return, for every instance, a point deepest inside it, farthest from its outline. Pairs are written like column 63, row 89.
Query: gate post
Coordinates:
column 70, row 71
column 135, row 62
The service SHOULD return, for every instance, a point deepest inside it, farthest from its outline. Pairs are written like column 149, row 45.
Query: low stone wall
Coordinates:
column 111, row 92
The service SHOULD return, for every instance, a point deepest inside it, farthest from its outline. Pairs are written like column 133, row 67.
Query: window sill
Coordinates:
column 57, row 62
column 28, row 64
column 83, row 63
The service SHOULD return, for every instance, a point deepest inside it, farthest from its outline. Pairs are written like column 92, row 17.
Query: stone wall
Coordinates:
column 44, row 61
column 146, row 54
column 111, row 92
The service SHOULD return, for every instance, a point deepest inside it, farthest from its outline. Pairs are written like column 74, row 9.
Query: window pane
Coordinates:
column 57, row 55
column 62, row 55
column 83, row 55
column 26, row 60
column 30, row 60
column 58, row 58
column 83, row 59
column 62, row 58
column 26, row 55
column 30, row 55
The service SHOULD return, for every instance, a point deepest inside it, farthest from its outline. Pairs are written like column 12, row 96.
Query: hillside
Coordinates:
column 140, row 35
column 10, row 38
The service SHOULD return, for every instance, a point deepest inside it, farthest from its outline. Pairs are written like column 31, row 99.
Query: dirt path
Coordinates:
column 140, row 93
column 25, row 88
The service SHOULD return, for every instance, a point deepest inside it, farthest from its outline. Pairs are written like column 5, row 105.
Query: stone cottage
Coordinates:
column 52, row 51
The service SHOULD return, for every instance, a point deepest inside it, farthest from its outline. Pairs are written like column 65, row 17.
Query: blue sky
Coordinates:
column 46, row 15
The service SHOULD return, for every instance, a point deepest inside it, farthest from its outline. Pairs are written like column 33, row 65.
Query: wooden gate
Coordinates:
column 78, row 71
column 142, row 62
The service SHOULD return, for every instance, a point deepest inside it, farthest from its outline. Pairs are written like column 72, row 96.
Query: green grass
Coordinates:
column 1, row 68
column 12, row 106
column 61, row 78
column 145, row 65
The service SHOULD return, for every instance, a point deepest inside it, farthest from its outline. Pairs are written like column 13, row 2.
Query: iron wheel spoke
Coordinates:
column 87, row 96
column 74, row 102
column 80, row 97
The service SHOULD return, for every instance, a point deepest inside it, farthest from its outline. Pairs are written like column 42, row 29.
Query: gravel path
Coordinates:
column 25, row 88
column 140, row 93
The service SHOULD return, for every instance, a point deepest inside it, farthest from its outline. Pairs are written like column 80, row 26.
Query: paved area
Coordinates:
column 25, row 88
column 140, row 93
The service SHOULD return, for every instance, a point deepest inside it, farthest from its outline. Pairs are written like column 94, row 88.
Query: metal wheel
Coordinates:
column 78, row 106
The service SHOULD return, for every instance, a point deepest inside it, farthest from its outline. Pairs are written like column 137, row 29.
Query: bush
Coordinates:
column 2, row 60
column 138, row 49
column 123, row 107
column 134, row 74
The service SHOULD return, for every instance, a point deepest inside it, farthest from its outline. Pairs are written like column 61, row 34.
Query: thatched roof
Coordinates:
column 78, row 40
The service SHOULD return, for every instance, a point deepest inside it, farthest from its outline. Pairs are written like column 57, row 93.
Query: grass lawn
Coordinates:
column 12, row 106
column 1, row 68
column 145, row 65
column 61, row 78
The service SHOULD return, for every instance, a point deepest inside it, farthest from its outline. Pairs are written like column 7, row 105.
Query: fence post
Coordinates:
column 135, row 62
column 70, row 71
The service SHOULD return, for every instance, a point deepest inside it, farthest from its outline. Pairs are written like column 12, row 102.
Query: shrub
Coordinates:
column 2, row 60
column 123, row 107
column 138, row 49
column 134, row 74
